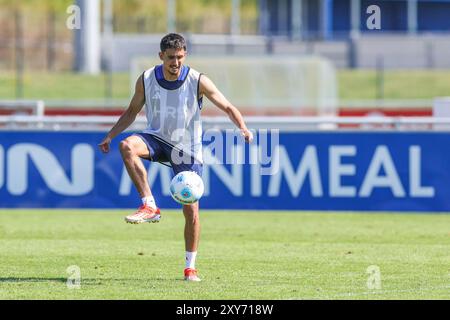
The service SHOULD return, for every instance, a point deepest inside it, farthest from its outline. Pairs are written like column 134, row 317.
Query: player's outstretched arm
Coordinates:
column 128, row 117
column 209, row 89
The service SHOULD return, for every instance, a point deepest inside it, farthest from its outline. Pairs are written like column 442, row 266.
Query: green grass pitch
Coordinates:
column 242, row 255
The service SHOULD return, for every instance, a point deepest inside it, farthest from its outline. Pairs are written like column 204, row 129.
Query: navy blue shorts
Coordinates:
column 163, row 152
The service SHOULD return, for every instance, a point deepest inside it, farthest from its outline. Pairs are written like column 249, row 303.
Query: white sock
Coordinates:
column 190, row 259
column 149, row 201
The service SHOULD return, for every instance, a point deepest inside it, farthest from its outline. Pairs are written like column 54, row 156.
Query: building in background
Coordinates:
column 335, row 19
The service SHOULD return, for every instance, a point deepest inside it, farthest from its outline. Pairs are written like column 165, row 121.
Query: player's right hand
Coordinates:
column 104, row 145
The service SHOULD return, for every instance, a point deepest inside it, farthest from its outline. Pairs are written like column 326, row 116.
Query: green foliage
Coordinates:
column 151, row 15
column 254, row 255
column 37, row 5
column 142, row 7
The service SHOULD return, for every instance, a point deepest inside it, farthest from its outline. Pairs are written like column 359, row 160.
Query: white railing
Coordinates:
column 35, row 107
column 103, row 123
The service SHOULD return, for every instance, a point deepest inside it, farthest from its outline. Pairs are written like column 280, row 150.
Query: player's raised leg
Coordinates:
column 191, row 238
column 132, row 150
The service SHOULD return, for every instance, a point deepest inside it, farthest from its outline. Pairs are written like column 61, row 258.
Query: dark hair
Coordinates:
column 172, row 41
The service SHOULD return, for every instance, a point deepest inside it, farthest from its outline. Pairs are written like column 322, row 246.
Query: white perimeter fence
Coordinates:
column 104, row 123
column 34, row 118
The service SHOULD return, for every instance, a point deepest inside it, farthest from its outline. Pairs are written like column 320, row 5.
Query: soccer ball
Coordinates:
column 186, row 187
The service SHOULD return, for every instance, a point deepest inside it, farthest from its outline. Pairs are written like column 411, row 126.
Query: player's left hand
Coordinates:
column 247, row 134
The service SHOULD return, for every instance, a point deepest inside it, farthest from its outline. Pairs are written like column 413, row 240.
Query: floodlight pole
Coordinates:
column 235, row 17
column 412, row 16
column 296, row 19
column 355, row 15
column 171, row 15
column 87, row 38
column 355, row 22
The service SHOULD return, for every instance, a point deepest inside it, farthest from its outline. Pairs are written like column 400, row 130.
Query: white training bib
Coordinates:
column 173, row 109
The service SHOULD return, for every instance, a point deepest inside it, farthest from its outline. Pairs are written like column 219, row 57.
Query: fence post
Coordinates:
column 380, row 78
column 108, row 31
column 19, row 53
column 50, row 40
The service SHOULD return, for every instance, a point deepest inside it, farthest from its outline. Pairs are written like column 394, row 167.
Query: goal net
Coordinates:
column 265, row 84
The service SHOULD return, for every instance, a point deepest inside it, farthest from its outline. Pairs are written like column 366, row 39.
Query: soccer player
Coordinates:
column 172, row 93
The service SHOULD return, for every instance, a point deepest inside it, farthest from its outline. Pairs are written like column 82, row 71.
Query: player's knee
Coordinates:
column 125, row 148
